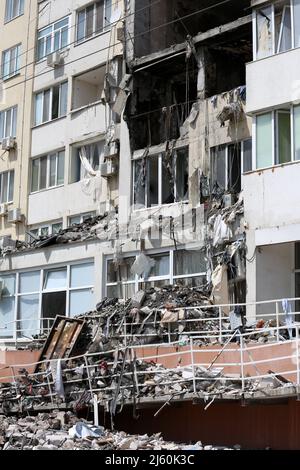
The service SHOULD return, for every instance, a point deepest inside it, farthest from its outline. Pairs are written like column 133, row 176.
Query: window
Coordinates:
column 47, row 171
column 7, row 186
column 274, row 131
column 10, row 62
column 8, row 123
column 53, row 38
column 13, row 8
column 93, row 19
column 36, row 297
column 228, row 163
column 182, row 267
column 79, row 219
column 277, row 28
column 94, row 154
column 51, row 103
column 46, row 229
column 161, row 179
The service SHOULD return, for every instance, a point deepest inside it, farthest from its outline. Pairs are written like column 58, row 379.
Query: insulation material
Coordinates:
column 220, row 294
column 142, row 265
column 184, row 130
column 230, row 112
column 221, row 230
column 124, row 92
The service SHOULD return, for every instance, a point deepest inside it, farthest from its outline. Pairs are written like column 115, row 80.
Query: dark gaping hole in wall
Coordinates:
column 161, row 101
column 164, row 27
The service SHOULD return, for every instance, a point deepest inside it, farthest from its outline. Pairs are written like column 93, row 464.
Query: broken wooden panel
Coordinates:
column 62, row 339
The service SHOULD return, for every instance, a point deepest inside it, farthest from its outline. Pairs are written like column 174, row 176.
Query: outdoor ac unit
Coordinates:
column 3, row 209
column 55, row 59
column 9, row 143
column 111, row 150
column 14, row 216
column 109, row 168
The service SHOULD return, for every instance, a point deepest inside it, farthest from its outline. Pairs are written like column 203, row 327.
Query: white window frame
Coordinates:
column 106, row 23
column 274, row 114
column 12, row 124
column 171, row 278
column 9, row 175
column 48, row 186
column 41, row 291
column 42, row 92
column 16, row 62
column 48, row 226
column 159, row 156
column 51, row 35
column 20, row 9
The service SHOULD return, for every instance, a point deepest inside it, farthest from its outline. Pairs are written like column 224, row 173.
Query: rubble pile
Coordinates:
column 64, row 431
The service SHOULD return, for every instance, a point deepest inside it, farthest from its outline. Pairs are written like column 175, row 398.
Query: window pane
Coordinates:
column 120, row 291
column 167, row 196
column 9, row 284
column 191, row 281
column 82, row 275
column 2, row 119
column 89, row 21
column 52, row 175
column 60, row 167
column 64, row 37
column 61, row 23
column 218, row 165
column 56, row 46
column 139, row 182
column 264, row 32
column 44, row 231
column 11, row 186
column 21, row 7
column 14, row 121
column 29, row 282
column 75, row 220
column 38, row 108
column 234, row 167
column 43, row 172
column 7, row 315
column 81, row 301
column 4, row 183
column 5, row 64
column 247, row 155
column 297, row 22
column 108, row 4
column 56, row 279
column 162, row 265
column 297, row 255
column 264, row 140
column 284, row 137
column 283, row 27
column 152, row 181
column 8, row 123
column 35, row 175
column 56, row 227
column 182, row 174
column 29, row 315
column 80, row 25
column 55, row 102
column 297, row 129
column 63, row 99
column 46, row 106
column 121, row 272
column 189, row 262
column 8, row 10
column 48, row 45
column 99, row 16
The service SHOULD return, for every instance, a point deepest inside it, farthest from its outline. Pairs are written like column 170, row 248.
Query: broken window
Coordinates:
column 264, row 29
column 94, row 153
column 88, row 87
column 28, row 304
column 51, row 103
column 47, row 171
column 283, row 26
column 7, row 186
column 53, row 38
column 172, row 267
column 228, row 163
column 93, row 19
column 80, row 218
column 46, row 230
column 264, row 138
column 161, row 179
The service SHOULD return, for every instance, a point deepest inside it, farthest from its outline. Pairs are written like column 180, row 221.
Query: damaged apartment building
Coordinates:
column 149, row 177
column 137, row 146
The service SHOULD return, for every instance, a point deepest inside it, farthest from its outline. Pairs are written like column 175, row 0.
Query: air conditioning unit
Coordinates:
column 109, row 168
column 9, row 143
column 111, row 150
column 3, row 209
column 14, row 216
column 55, row 59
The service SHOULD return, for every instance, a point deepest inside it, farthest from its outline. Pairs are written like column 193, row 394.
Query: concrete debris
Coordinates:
column 55, row 431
